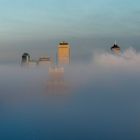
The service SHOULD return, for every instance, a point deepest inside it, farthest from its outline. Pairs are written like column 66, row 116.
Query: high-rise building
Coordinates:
column 116, row 49
column 25, row 58
column 63, row 54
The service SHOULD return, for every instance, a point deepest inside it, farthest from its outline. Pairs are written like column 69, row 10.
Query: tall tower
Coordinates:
column 63, row 54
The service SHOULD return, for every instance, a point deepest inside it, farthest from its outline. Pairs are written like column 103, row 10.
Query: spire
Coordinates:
column 115, row 42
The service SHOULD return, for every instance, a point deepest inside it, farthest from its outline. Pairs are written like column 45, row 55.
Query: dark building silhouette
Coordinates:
column 25, row 58
column 116, row 49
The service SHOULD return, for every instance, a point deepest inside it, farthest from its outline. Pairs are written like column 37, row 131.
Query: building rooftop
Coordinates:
column 45, row 59
column 25, row 54
column 63, row 43
column 115, row 46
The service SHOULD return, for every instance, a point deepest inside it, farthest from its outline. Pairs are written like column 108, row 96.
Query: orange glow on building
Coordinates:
column 56, row 83
column 63, row 54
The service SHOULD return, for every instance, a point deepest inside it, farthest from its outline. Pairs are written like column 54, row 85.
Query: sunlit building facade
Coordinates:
column 63, row 54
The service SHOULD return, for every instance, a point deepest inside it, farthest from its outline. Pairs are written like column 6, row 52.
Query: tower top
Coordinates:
column 25, row 54
column 63, row 43
column 115, row 46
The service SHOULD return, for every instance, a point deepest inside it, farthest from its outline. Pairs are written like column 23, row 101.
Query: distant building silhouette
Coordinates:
column 25, row 58
column 116, row 49
column 63, row 54
column 45, row 61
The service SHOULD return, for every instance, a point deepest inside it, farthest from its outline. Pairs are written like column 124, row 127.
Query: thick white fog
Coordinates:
column 102, row 67
column 92, row 99
column 127, row 58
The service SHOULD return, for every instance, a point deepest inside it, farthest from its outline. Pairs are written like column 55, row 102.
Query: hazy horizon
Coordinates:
column 38, row 26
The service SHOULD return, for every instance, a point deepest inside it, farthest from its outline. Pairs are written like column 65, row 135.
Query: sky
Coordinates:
column 33, row 23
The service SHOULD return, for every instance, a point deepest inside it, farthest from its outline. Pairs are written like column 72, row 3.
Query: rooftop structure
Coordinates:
column 44, row 60
column 116, row 49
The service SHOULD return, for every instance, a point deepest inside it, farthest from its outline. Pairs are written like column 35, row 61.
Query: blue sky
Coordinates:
column 28, row 24
column 41, row 19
